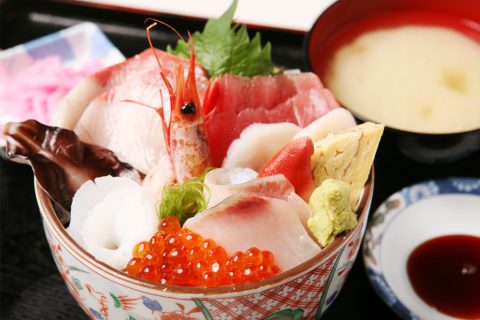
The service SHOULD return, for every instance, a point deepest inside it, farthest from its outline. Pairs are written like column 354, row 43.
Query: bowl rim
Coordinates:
column 374, row 271
column 308, row 42
column 55, row 226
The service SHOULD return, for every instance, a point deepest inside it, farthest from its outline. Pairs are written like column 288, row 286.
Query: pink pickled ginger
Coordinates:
column 36, row 90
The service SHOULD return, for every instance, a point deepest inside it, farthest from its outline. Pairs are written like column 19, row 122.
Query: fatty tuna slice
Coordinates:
column 244, row 221
column 232, row 103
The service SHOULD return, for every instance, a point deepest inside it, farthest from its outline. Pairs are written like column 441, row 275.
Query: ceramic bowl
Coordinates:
column 405, row 220
column 345, row 19
column 103, row 292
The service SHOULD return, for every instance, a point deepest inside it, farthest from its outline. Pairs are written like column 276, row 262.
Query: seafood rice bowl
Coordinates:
column 178, row 186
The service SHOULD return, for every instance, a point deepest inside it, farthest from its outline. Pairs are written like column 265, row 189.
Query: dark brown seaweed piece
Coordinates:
column 60, row 161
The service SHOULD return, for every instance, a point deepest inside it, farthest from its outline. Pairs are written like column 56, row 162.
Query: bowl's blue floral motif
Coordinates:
column 464, row 185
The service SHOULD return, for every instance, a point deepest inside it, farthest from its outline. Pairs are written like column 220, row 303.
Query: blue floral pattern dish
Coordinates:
column 381, row 223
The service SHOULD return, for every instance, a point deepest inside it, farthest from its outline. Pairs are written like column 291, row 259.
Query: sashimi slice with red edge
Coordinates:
column 243, row 221
column 133, row 73
column 232, row 103
column 293, row 162
column 115, row 118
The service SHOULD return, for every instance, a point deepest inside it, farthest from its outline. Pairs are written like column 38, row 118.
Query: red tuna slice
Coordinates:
column 304, row 108
column 234, row 102
column 136, row 72
column 244, row 221
column 235, row 93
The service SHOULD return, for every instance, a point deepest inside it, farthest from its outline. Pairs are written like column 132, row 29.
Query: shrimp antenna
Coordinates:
column 160, row 112
column 162, row 74
column 155, row 21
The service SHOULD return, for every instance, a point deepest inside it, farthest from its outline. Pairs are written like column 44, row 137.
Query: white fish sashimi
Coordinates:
column 134, row 133
column 159, row 176
column 77, row 100
column 116, row 120
column 117, row 128
column 110, row 216
column 304, row 211
column 244, row 221
column 132, row 72
column 106, row 108
column 258, row 143
column 334, row 121
column 220, row 184
column 74, row 103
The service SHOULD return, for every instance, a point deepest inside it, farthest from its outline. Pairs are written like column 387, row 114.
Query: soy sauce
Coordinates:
column 445, row 273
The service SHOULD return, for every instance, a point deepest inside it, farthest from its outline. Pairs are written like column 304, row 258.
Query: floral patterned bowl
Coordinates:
column 303, row 292
column 405, row 220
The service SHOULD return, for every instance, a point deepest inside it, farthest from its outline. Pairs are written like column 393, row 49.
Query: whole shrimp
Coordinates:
column 185, row 134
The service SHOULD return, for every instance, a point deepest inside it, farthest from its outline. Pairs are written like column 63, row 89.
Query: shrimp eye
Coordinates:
column 188, row 108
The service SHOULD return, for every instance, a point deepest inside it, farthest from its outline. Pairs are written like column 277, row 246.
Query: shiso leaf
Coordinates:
column 185, row 199
column 222, row 48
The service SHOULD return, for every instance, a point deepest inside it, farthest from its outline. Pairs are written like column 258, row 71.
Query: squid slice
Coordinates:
column 110, row 216
column 243, row 221
column 222, row 183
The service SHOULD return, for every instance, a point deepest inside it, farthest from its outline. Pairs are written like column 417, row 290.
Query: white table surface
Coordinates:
column 298, row 15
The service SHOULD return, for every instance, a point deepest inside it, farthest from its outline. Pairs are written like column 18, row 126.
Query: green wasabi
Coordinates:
column 332, row 213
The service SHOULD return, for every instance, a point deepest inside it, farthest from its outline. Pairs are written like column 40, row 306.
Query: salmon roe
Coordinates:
column 177, row 256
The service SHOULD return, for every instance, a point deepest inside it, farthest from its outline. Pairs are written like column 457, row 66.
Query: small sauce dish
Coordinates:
column 407, row 219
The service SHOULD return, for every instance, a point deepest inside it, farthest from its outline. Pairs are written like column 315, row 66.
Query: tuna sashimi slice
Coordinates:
column 232, row 103
column 244, row 221
column 260, row 91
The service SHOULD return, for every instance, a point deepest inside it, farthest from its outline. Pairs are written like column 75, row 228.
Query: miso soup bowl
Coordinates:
column 346, row 19
column 304, row 292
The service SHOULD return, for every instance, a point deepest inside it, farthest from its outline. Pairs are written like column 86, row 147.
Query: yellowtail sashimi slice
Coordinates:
column 244, row 221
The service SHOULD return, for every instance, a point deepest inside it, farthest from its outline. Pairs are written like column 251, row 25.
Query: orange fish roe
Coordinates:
column 177, row 256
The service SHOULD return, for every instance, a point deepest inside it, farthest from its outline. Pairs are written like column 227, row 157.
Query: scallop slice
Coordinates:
column 258, row 143
column 243, row 221
column 336, row 120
